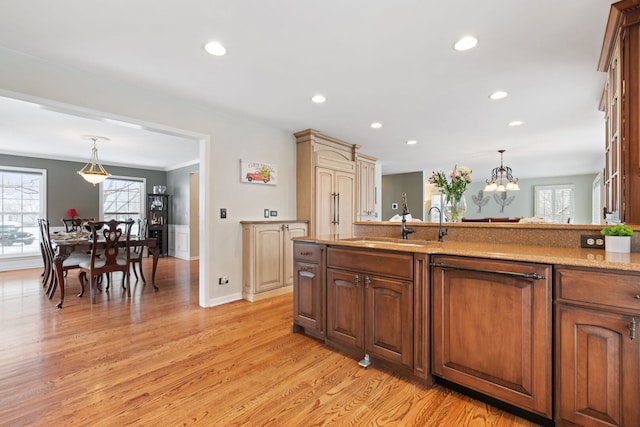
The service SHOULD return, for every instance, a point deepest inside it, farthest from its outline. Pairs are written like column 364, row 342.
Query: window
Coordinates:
column 122, row 198
column 22, row 202
column 554, row 203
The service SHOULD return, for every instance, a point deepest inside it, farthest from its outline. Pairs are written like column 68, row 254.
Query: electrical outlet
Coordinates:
column 591, row 241
column 223, row 280
column 266, row 213
column 273, row 213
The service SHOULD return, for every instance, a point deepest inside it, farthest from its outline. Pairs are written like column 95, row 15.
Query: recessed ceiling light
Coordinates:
column 498, row 94
column 376, row 125
column 516, row 123
column 215, row 49
column 412, row 142
column 318, row 99
column 465, row 43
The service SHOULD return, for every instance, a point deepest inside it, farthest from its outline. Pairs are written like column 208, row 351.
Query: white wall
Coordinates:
column 227, row 139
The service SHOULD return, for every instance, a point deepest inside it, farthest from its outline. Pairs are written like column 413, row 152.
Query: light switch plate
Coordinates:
column 266, row 213
column 223, row 213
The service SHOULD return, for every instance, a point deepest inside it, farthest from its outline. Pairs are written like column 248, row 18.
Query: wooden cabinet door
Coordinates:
column 307, row 298
column 291, row 230
column 325, row 215
column 371, row 190
column 335, row 202
column 345, row 187
column 612, row 170
column 597, row 368
column 492, row 329
column 345, row 303
column 389, row 319
column 366, row 191
column 268, row 257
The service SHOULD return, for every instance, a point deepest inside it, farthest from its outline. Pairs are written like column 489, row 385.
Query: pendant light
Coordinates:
column 501, row 178
column 93, row 171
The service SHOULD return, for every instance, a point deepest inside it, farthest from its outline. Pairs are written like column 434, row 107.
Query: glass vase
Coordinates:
column 455, row 208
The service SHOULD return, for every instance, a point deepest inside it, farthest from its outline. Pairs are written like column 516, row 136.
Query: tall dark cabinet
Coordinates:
column 158, row 220
column 620, row 59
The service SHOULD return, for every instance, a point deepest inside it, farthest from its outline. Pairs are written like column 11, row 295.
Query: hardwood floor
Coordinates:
column 158, row 359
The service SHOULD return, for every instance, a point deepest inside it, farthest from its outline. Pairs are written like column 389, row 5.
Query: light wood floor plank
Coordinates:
column 158, row 359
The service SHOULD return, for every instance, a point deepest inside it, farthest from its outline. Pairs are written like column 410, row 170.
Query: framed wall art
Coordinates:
column 258, row 173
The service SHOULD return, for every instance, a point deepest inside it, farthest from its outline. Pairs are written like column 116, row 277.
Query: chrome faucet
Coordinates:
column 404, row 230
column 441, row 233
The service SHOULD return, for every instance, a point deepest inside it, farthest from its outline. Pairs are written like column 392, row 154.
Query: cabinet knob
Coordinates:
column 637, row 297
column 367, row 281
column 357, row 280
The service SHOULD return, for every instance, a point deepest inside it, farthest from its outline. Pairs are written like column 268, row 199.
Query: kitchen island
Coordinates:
column 484, row 316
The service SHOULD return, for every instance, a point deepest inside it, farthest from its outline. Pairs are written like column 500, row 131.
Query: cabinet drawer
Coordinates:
column 307, row 252
column 609, row 289
column 391, row 264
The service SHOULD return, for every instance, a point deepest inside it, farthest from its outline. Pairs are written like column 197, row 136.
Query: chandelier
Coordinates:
column 501, row 178
column 93, row 171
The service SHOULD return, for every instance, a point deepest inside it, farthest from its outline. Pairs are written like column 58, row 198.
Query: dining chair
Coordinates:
column 47, row 271
column 73, row 224
column 136, row 251
column 48, row 256
column 135, row 254
column 110, row 252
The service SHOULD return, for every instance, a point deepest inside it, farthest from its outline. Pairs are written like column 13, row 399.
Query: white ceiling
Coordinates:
column 31, row 129
column 374, row 60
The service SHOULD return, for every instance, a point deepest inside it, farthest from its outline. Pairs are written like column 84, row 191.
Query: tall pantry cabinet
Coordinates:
column 620, row 59
column 325, row 183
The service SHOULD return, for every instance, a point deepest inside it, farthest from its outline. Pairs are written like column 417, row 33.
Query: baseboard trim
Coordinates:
column 21, row 263
column 224, row 299
column 268, row 294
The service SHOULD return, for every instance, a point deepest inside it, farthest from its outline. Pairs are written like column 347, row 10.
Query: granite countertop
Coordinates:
column 592, row 258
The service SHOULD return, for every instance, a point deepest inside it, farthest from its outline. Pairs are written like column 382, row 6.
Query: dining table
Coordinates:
column 64, row 244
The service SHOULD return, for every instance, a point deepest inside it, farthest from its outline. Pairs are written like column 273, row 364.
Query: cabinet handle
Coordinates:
column 305, row 273
column 535, row 276
column 357, row 280
column 367, row 281
column 338, row 209
column 306, row 253
column 333, row 220
column 632, row 329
